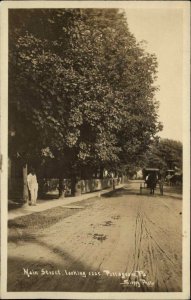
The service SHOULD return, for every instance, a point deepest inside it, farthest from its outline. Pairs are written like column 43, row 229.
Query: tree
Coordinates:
column 165, row 154
column 79, row 84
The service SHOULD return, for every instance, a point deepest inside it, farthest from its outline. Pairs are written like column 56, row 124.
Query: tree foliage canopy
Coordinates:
column 80, row 86
column 165, row 154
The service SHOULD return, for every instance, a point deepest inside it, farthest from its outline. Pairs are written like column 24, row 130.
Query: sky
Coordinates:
column 163, row 31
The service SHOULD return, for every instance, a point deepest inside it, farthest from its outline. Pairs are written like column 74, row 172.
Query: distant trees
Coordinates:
column 81, row 90
column 165, row 154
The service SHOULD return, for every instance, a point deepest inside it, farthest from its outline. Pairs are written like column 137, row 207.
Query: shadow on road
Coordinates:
column 121, row 192
column 127, row 191
column 29, row 250
column 81, row 279
column 74, row 275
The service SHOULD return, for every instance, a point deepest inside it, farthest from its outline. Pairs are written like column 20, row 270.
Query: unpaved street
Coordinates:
column 99, row 244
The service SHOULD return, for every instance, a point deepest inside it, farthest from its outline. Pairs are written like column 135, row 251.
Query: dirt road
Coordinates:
column 100, row 245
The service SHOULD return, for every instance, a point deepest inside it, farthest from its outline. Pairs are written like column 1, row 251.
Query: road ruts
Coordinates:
column 151, row 256
column 124, row 232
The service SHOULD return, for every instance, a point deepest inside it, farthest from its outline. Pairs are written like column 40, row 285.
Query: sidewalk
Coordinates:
column 48, row 204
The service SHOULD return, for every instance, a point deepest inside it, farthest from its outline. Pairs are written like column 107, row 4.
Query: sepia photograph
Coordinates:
column 95, row 149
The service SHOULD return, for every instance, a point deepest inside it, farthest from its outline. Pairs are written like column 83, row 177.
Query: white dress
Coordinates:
column 33, row 187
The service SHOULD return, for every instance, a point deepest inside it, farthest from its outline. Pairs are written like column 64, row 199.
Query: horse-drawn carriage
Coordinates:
column 152, row 180
column 173, row 178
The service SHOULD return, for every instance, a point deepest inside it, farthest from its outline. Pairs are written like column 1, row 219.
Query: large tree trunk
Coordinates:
column 25, row 187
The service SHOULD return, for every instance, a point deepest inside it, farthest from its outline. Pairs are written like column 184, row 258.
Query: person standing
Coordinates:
column 32, row 186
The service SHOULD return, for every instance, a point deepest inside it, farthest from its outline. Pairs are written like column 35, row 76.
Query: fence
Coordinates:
column 82, row 187
column 51, row 186
column 95, row 184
